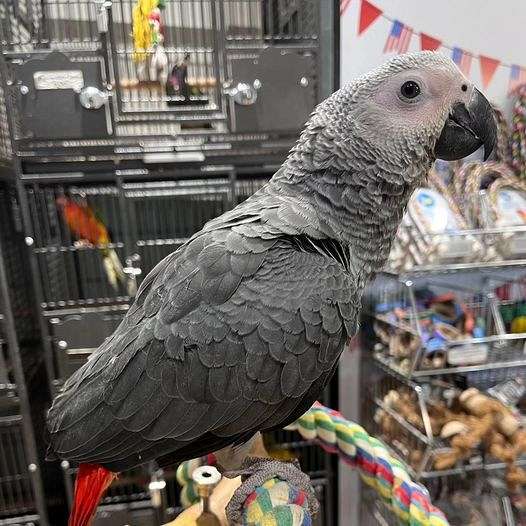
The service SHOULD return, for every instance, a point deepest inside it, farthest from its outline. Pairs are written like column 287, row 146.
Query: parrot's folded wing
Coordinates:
column 226, row 337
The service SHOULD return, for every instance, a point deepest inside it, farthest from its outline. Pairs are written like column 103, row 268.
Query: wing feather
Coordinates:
column 229, row 335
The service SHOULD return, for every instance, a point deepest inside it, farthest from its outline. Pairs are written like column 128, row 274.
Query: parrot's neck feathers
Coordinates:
column 360, row 207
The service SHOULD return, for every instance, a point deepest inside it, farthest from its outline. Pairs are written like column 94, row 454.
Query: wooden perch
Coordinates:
column 221, row 495
column 192, row 82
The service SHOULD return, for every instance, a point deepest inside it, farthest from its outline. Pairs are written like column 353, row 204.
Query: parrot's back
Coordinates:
column 237, row 331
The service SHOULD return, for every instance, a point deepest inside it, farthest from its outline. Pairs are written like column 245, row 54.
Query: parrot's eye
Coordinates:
column 410, row 89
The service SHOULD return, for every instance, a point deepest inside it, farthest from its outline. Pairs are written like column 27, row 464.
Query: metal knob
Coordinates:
column 244, row 94
column 92, row 98
column 156, row 487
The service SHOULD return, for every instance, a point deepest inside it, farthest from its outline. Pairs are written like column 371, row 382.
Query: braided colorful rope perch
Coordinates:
column 408, row 500
column 378, row 469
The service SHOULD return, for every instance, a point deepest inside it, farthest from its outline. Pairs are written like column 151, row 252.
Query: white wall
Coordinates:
column 492, row 28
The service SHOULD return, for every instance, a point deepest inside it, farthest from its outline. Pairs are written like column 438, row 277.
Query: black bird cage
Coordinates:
column 192, row 77
column 144, row 141
column 21, row 489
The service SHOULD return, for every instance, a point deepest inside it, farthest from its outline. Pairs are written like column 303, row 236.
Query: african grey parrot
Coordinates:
column 240, row 329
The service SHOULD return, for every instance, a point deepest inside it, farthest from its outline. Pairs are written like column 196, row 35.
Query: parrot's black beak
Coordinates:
column 467, row 128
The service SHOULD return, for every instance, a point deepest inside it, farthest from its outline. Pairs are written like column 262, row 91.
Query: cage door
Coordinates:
column 271, row 91
column 166, row 61
column 61, row 97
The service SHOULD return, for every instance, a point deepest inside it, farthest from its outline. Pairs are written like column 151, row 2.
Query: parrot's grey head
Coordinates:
column 416, row 107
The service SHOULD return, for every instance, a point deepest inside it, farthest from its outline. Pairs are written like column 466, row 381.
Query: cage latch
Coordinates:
column 244, row 93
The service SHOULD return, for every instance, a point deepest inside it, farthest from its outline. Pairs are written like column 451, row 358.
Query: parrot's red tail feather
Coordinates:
column 92, row 481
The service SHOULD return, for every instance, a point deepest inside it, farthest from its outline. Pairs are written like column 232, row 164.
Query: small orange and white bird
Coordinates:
column 84, row 224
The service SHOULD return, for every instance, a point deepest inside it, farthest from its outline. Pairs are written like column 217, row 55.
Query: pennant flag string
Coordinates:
column 368, row 14
column 399, row 38
column 429, row 43
column 344, row 4
column 488, row 66
column 400, row 32
column 517, row 77
column 462, row 59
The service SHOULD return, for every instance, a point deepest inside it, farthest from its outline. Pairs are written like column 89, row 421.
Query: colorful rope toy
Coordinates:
column 408, row 500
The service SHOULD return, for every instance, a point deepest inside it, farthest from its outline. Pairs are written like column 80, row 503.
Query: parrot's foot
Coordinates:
column 289, row 479
column 232, row 457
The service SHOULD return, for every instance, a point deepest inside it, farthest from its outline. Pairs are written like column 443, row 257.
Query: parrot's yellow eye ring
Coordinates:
column 410, row 89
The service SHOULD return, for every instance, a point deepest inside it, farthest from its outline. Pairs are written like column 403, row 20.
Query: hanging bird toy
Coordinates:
column 148, row 40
